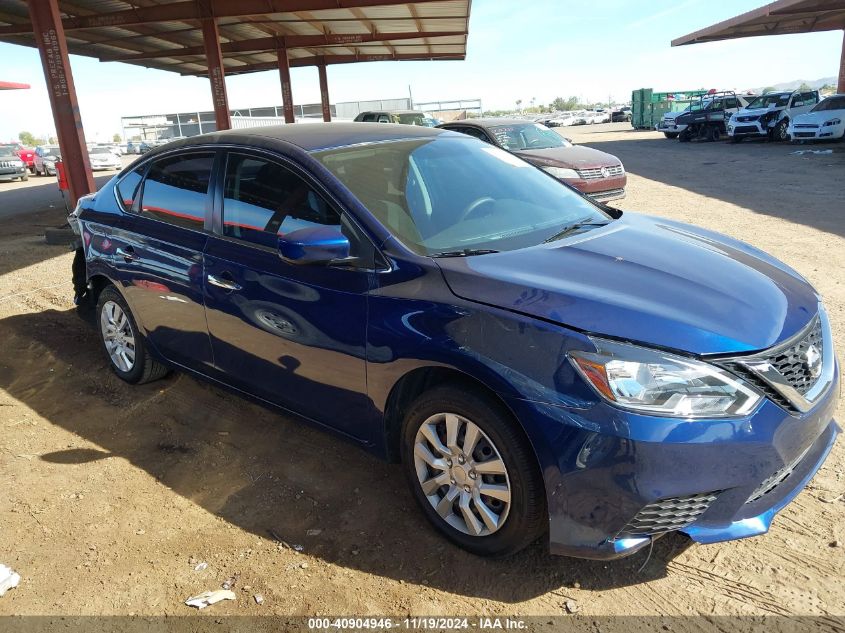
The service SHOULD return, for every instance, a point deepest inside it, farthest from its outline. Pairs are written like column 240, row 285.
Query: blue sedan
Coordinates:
column 541, row 365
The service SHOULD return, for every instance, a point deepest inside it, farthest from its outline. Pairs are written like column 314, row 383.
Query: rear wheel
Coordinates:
column 122, row 342
column 473, row 472
column 714, row 134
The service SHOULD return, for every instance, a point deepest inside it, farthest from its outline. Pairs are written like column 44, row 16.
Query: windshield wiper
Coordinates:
column 572, row 228
column 467, row 252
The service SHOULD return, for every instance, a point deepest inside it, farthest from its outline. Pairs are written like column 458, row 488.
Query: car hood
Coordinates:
column 647, row 280
column 758, row 111
column 820, row 117
column 575, row 157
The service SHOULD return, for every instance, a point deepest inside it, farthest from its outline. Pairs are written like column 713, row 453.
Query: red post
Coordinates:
column 284, row 76
column 841, row 88
column 216, row 76
column 324, row 92
column 52, row 45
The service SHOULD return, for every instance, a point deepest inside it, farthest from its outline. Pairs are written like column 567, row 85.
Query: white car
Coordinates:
column 565, row 120
column 103, row 158
column 769, row 115
column 824, row 122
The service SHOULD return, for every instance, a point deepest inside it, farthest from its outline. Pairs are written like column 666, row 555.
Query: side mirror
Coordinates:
column 314, row 245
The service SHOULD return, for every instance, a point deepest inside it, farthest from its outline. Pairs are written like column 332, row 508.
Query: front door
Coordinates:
column 293, row 335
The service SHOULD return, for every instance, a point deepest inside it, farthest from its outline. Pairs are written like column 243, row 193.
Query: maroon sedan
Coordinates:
column 601, row 176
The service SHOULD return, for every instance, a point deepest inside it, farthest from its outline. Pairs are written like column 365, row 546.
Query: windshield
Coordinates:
column 52, row 150
column 7, row 150
column 514, row 137
column 100, row 150
column 831, row 103
column 453, row 194
column 776, row 99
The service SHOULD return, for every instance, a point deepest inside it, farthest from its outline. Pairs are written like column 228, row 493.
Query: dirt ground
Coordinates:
column 113, row 495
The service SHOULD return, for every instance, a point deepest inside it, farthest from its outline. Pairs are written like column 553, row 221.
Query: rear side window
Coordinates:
column 129, row 188
column 176, row 190
column 369, row 118
column 263, row 200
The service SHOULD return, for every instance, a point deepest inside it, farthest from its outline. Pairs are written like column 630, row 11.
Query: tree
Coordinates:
column 768, row 89
column 804, row 87
column 28, row 139
column 117, row 138
column 518, row 104
column 564, row 105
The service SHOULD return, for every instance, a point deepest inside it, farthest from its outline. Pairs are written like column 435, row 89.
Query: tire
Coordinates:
column 25, row 176
column 714, row 134
column 685, row 136
column 779, row 133
column 671, row 135
column 521, row 519
column 142, row 367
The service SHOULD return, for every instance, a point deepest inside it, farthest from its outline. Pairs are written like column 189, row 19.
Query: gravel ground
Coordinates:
column 113, row 495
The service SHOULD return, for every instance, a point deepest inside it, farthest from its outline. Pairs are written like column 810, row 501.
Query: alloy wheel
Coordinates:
column 118, row 336
column 462, row 474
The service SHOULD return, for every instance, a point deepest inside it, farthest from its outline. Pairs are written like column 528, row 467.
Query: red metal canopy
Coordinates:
column 11, row 85
column 779, row 18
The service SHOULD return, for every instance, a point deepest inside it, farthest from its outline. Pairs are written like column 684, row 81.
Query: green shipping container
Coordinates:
column 648, row 107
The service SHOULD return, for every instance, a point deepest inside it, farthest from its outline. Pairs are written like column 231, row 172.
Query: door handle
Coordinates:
column 128, row 254
column 227, row 284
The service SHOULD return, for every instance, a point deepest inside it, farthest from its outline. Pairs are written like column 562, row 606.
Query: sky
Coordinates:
column 557, row 48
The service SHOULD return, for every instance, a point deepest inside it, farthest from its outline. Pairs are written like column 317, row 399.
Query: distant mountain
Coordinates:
column 794, row 85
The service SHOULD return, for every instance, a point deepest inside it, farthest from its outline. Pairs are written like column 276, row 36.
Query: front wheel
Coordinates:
column 122, row 342
column 25, row 176
column 472, row 472
column 671, row 135
column 781, row 132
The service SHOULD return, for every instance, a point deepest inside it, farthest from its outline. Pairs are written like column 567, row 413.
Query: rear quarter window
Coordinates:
column 128, row 188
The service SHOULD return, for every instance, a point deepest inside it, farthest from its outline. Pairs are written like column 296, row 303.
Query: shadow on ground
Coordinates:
column 764, row 177
column 269, row 474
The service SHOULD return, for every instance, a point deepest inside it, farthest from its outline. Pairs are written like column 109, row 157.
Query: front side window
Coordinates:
column 263, row 200
column 452, row 193
column 176, row 190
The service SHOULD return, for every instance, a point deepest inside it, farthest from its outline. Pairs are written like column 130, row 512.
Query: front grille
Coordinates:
column 746, row 129
column 805, row 135
column 610, row 194
column 596, row 172
column 747, row 119
column 806, row 125
column 790, row 362
column 7, row 164
column 668, row 515
column 771, row 483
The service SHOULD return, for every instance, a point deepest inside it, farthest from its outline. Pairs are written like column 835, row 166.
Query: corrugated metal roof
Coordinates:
column 778, row 18
column 128, row 31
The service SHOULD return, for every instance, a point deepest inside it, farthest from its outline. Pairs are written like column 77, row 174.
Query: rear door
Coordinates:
column 292, row 335
column 157, row 250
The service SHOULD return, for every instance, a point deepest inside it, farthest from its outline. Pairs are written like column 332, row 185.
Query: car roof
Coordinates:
column 489, row 122
column 392, row 112
column 314, row 136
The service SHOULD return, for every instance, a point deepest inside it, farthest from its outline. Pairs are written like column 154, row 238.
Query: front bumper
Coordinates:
column 7, row 174
column 816, row 133
column 609, row 466
column 747, row 129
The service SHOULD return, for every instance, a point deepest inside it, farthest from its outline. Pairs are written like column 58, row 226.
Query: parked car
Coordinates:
column 26, row 154
column 45, row 159
column 564, row 120
column 707, row 120
column 133, row 147
column 826, row 121
column 538, row 364
column 11, row 166
column 405, row 117
column 103, row 158
column 769, row 115
column 669, row 123
column 621, row 116
column 596, row 174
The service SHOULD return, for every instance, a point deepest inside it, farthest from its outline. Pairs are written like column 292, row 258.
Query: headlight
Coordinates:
column 650, row 381
column 832, row 122
column 560, row 172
